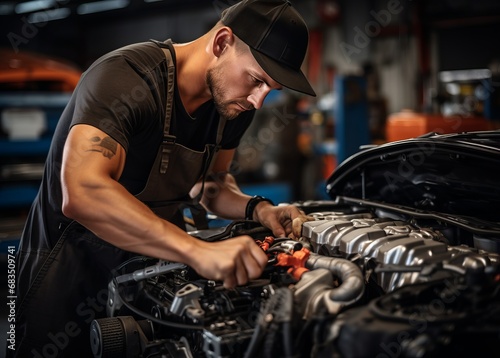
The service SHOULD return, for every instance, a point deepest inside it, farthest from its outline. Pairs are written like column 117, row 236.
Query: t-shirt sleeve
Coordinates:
column 113, row 97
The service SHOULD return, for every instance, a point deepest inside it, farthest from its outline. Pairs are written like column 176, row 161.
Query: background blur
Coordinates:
column 383, row 70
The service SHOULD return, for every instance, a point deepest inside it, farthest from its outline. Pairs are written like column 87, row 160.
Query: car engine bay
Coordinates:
column 403, row 261
column 364, row 280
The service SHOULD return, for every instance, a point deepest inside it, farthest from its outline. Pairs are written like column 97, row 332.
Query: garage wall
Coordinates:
column 454, row 38
column 180, row 27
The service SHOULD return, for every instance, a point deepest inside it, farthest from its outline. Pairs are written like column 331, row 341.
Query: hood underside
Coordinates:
column 452, row 174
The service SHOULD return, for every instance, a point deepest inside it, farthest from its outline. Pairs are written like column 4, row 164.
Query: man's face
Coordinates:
column 237, row 82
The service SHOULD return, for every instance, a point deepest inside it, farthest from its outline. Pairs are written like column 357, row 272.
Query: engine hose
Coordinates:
column 352, row 282
column 255, row 342
column 288, row 343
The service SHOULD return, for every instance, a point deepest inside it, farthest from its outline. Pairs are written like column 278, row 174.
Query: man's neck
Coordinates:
column 191, row 67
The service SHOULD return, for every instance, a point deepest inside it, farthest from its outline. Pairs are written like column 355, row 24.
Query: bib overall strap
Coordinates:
column 168, row 140
column 211, row 153
column 199, row 213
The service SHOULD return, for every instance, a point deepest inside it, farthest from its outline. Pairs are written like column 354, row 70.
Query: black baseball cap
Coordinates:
column 277, row 36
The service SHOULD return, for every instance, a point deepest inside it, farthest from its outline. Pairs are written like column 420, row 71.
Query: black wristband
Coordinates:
column 252, row 203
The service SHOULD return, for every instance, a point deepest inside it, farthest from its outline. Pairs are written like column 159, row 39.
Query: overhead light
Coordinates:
column 35, row 5
column 49, row 15
column 99, row 6
column 465, row 75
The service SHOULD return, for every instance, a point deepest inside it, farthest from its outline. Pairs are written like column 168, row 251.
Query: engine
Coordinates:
column 362, row 281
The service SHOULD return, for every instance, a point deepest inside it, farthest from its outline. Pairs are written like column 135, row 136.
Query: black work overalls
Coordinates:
column 70, row 289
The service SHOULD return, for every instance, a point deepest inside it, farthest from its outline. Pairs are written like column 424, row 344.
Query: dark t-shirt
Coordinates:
column 123, row 94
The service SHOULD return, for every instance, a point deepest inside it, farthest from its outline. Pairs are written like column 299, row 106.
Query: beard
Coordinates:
column 214, row 81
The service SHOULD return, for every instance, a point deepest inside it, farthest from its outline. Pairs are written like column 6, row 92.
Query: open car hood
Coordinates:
column 454, row 176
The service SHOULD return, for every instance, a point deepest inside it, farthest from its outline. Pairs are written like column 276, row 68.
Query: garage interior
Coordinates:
column 383, row 70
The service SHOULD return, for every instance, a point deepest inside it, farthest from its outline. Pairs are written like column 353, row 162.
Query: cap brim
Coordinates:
column 284, row 75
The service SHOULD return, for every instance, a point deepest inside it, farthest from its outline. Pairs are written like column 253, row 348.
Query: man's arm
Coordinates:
column 221, row 188
column 223, row 197
column 92, row 164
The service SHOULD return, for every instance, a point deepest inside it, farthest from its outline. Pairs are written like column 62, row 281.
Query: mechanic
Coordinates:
column 150, row 130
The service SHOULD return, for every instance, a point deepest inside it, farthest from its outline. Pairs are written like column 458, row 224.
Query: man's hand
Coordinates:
column 234, row 261
column 283, row 220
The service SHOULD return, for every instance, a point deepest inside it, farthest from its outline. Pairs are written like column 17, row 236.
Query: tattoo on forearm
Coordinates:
column 107, row 146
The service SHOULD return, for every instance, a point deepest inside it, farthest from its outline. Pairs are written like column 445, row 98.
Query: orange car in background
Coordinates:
column 34, row 89
column 30, row 71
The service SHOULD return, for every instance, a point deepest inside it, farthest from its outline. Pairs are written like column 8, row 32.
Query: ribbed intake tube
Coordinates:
column 352, row 284
column 316, row 292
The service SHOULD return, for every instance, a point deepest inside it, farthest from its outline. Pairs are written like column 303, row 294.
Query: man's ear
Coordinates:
column 223, row 37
